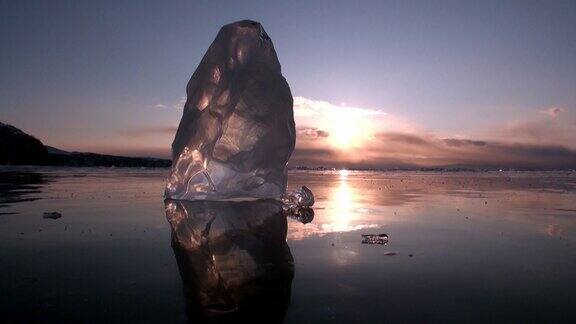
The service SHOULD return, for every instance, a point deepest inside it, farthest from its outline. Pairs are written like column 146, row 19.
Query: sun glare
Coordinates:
column 348, row 129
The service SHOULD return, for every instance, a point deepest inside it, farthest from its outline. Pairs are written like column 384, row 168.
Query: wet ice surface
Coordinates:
column 461, row 247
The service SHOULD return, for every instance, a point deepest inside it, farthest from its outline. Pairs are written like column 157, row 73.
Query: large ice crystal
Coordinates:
column 237, row 130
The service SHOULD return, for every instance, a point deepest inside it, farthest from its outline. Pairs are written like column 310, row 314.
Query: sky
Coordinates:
column 375, row 83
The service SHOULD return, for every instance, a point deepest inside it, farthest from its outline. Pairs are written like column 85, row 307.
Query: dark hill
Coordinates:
column 19, row 148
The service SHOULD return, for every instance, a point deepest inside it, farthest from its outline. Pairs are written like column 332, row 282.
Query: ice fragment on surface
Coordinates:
column 297, row 204
column 52, row 215
column 237, row 130
column 303, row 215
column 301, row 197
column 375, row 239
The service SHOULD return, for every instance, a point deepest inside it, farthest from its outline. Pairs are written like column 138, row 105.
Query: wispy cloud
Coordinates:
column 532, row 142
column 311, row 132
column 553, row 112
column 425, row 150
column 178, row 104
column 305, row 107
column 539, row 129
column 342, row 126
column 347, row 136
column 463, row 142
column 148, row 131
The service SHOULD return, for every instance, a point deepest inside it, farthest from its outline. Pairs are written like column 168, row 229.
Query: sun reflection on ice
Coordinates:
column 341, row 211
column 343, row 206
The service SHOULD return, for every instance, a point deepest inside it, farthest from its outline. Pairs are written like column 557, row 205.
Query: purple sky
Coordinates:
column 442, row 77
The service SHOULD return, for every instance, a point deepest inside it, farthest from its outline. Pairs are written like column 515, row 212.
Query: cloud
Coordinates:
column 178, row 104
column 148, row 131
column 342, row 126
column 405, row 139
column 553, row 111
column 415, row 150
column 538, row 130
column 429, row 150
column 311, row 132
column 462, row 142
column 305, row 107
column 314, row 156
column 386, row 141
column 346, row 136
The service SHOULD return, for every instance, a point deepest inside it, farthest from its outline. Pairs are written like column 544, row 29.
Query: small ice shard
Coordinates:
column 52, row 215
column 375, row 239
column 299, row 198
column 303, row 215
column 297, row 204
column 237, row 130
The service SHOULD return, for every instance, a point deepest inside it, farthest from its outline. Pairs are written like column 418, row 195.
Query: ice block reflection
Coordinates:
column 233, row 259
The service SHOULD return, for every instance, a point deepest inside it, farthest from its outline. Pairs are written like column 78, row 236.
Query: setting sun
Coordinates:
column 349, row 128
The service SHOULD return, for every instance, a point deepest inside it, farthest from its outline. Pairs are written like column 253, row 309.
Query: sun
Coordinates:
column 348, row 129
column 345, row 128
column 345, row 135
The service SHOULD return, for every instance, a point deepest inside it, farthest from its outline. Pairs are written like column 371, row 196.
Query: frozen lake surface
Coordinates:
column 461, row 247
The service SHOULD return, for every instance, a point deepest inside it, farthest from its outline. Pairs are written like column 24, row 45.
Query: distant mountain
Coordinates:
column 92, row 159
column 53, row 150
column 19, row 148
